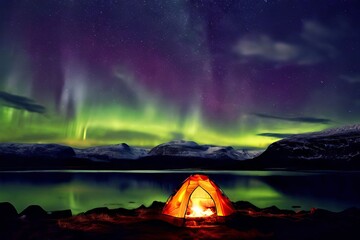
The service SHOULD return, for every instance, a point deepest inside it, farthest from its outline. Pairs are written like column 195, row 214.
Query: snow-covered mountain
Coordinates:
column 27, row 150
column 337, row 148
column 181, row 148
column 330, row 147
column 112, row 152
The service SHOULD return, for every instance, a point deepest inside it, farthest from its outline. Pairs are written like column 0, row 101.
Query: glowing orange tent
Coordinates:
column 198, row 196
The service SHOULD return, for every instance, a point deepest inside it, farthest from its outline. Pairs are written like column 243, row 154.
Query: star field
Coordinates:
column 242, row 73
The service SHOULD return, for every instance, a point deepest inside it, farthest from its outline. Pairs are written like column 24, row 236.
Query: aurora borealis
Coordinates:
column 242, row 73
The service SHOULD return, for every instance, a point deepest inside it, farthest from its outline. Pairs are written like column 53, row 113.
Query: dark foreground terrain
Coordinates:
column 249, row 222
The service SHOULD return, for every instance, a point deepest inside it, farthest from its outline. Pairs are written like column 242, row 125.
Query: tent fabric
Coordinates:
column 201, row 186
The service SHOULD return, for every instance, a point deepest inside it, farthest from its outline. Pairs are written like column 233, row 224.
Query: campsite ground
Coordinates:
column 249, row 222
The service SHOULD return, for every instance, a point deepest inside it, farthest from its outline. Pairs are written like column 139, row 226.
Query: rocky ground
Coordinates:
column 249, row 222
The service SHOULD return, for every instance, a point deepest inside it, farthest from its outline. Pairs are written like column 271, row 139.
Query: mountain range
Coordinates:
column 337, row 148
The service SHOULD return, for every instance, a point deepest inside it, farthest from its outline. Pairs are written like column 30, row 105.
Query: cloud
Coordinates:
column 276, row 135
column 295, row 119
column 351, row 79
column 19, row 102
column 313, row 45
column 263, row 47
column 319, row 35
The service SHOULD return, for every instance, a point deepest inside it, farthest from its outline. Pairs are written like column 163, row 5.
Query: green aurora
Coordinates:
column 223, row 73
column 149, row 127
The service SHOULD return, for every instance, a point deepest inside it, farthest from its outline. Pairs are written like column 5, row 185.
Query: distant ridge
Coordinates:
column 337, row 148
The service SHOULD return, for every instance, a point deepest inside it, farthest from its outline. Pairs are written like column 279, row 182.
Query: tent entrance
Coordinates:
column 200, row 204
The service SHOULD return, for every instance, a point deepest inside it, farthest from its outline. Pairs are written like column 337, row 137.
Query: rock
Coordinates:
column 244, row 205
column 321, row 213
column 34, row 212
column 100, row 210
column 7, row 212
column 354, row 211
column 122, row 211
column 157, row 205
column 141, row 207
column 60, row 214
column 272, row 209
column 9, row 220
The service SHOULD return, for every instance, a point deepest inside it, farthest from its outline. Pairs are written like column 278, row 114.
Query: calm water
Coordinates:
column 84, row 190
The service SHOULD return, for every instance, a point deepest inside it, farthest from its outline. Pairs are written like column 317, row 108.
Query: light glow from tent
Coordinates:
column 200, row 204
column 199, row 211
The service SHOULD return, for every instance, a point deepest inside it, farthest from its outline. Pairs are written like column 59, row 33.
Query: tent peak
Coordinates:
column 198, row 196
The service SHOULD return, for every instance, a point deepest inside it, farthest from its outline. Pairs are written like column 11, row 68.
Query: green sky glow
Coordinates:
column 152, row 126
column 73, row 72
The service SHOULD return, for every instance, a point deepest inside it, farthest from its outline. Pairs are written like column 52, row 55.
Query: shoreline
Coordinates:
column 248, row 222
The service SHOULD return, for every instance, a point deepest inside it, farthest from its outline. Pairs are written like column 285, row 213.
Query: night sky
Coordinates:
column 233, row 72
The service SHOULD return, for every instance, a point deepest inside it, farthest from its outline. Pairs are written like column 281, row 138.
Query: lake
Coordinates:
column 83, row 190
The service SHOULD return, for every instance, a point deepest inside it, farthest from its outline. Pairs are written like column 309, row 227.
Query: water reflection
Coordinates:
column 81, row 191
